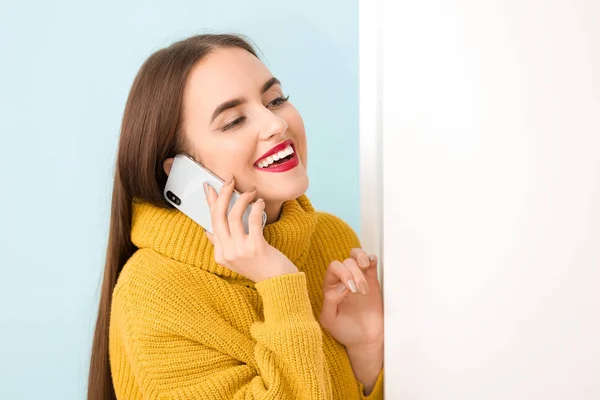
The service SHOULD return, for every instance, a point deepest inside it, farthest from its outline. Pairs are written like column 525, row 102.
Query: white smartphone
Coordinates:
column 185, row 191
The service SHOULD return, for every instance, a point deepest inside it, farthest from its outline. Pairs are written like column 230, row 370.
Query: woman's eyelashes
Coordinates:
column 276, row 103
column 233, row 124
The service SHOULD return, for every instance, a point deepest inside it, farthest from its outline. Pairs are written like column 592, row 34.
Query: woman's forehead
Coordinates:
column 228, row 73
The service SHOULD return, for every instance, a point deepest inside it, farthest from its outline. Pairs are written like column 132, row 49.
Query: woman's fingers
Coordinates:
column 335, row 289
column 367, row 262
column 255, row 220
column 211, row 196
column 236, row 223
column 219, row 205
column 361, row 257
column 358, row 276
column 336, row 273
column 371, row 272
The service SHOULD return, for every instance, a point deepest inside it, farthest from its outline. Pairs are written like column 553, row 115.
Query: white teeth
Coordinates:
column 275, row 157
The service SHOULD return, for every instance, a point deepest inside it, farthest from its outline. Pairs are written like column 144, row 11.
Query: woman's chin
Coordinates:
column 288, row 191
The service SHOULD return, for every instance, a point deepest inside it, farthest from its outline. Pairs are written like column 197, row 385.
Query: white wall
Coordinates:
column 491, row 190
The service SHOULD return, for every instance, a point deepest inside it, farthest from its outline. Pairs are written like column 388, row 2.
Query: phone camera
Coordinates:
column 173, row 198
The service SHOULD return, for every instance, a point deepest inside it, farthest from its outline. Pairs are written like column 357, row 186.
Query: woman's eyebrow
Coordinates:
column 239, row 101
column 226, row 106
column 269, row 83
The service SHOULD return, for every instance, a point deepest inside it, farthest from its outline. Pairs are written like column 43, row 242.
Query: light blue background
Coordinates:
column 65, row 71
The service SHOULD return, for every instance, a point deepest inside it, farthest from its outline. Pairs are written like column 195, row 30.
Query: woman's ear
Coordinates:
column 167, row 164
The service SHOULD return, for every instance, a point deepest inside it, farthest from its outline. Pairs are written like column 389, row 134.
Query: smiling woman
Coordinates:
column 240, row 114
column 293, row 310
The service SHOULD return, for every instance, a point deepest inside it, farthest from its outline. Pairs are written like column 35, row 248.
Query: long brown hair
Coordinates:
column 150, row 133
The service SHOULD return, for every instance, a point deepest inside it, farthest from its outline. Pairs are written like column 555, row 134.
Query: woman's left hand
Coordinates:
column 352, row 306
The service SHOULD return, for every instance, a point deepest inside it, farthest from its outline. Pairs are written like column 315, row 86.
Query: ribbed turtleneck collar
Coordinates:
column 173, row 234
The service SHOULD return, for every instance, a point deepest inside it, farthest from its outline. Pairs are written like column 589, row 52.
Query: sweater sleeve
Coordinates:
column 376, row 393
column 288, row 354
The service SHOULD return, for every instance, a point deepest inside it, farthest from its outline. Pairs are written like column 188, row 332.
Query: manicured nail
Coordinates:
column 364, row 261
column 364, row 288
column 352, row 285
column 205, row 188
column 341, row 287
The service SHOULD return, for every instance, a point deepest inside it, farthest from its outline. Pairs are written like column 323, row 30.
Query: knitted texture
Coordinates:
column 183, row 327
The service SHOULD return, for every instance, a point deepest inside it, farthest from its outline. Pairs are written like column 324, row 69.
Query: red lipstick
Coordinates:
column 286, row 163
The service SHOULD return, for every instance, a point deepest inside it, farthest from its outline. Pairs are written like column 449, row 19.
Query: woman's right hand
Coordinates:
column 247, row 254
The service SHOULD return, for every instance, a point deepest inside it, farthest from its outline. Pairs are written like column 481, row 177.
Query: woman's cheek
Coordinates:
column 296, row 128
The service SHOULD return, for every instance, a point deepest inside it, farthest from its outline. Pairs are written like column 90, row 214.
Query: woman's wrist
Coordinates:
column 278, row 270
column 277, row 265
column 367, row 362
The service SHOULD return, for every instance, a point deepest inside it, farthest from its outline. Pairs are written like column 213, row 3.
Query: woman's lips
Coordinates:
column 288, row 164
column 276, row 149
column 281, row 152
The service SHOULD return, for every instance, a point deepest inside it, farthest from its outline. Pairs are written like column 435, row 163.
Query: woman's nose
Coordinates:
column 272, row 125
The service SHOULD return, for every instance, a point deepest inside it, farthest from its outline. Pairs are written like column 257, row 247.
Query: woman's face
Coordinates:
column 235, row 116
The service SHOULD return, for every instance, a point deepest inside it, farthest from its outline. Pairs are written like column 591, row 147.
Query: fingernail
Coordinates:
column 372, row 257
column 252, row 189
column 229, row 179
column 341, row 287
column 260, row 199
column 205, row 188
column 364, row 262
column 352, row 286
column 364, row 288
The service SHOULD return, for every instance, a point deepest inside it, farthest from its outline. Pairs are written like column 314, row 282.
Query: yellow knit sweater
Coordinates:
column 183, row 327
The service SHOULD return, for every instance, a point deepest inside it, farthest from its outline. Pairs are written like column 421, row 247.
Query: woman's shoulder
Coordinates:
column 145, row 269
column 329, row 223
column 332, row 229
column 157, row 298
column 151, row 283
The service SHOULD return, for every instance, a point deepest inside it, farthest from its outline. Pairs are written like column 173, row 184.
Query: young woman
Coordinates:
column 293, row 311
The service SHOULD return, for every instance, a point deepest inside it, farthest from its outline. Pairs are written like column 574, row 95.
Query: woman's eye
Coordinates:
column 278, row 102
column 233, row 124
